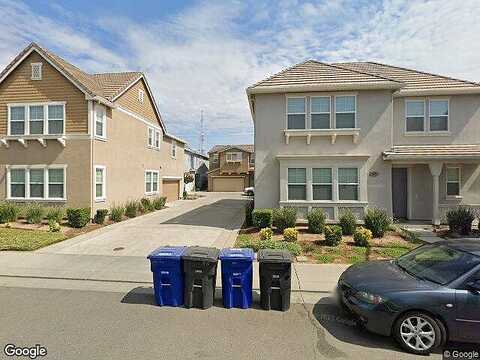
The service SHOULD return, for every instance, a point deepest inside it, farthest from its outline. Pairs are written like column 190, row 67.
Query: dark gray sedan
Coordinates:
column 426, row 297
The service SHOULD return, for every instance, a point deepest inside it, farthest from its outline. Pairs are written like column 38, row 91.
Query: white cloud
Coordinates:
column 205, row 56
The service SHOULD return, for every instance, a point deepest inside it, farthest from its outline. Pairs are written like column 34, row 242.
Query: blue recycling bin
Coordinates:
column 166, row 265
column 237, row 277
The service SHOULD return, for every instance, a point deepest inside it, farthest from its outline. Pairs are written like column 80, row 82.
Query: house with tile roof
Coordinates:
column 231, row 167
column 78, row 139
column 354, row 135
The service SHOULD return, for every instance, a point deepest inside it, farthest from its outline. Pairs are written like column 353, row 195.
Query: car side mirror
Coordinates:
column 474, row 285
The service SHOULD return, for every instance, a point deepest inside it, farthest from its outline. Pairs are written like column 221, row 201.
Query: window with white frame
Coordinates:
column 438, row 114
column 100, row 121
column 100, row 182
column 157, row 139
column 36, row 71
column 322, row 183
column 214, row 157
column 348, row 184
column 415, row 115
column 320, row 112
column 36, row 182
column 453, row 181
column 151, row 135
column 296, row 113
column 233, row 156
column 36, row 119
column 141, row 95
column 151, row 181
column 174, row 149
column 345, row 112
column 297, row 184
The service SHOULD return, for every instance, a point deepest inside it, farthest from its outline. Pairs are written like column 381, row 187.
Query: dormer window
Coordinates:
column 36, row 71
column 141, row 95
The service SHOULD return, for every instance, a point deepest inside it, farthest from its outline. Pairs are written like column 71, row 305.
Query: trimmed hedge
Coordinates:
column 284, row 218
column 362, row 236
column 333, row 235
column 290, row 234
column 78, row 217
column 262, row 218
column 100, row 216
column 348, row 222
column 316, row 221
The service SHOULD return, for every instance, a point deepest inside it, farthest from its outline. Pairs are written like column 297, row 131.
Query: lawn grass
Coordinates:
column 27, row 240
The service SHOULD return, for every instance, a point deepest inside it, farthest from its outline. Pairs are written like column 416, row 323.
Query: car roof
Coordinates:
column 471, row 246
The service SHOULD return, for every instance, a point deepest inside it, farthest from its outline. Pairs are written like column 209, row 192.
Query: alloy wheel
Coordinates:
column 417, row 333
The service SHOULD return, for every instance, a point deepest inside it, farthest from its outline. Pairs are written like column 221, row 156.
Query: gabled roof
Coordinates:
column 219, row 148
column 196, row 152
column 429, row 152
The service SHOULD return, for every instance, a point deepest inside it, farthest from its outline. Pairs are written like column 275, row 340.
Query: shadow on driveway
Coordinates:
column 220, row 214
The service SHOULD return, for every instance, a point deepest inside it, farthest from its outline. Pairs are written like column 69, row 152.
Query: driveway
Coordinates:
column 209, row 221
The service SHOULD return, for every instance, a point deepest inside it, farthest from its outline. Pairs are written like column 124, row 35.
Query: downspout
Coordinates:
column 90, row 135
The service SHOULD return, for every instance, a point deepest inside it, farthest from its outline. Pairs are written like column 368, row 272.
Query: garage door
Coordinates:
column 228, row 184
column 171, row 189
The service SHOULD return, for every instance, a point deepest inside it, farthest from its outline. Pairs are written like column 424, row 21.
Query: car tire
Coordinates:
column 418, row 333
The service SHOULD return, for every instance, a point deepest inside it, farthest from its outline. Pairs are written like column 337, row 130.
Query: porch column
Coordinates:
column 435, row 170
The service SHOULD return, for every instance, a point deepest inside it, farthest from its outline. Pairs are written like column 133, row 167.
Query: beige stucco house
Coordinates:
column 231, row 167
column 352, row 135
column 78, row 139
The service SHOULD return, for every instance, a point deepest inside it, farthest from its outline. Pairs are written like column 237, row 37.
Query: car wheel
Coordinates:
column 418, row 333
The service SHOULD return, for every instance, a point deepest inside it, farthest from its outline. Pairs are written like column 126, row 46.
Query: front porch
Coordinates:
column 427, row 181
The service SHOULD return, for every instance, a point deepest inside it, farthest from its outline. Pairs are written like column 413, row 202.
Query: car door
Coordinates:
column 468, row 312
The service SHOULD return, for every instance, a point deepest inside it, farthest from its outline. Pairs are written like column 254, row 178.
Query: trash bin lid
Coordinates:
column 167, row 252
column 237, row 254
column 274, row 256
column 200, row 253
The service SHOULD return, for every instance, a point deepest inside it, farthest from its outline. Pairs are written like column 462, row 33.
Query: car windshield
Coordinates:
column 437, row 263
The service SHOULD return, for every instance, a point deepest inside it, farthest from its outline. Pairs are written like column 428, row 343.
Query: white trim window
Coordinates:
column 453, row 181
column 153, row 138
column 141, row 96
column 151, row 135
column 297, row 184
column 151, row 182
column 296, row 113
column 322, row 184
column 348, row 184
column 233, row 157
column 157, row 139
column 36, row 182
column 174, row 149
column 438, row 115
column 100, row 183
column 345, row 112
column 100, row 121
column 320, row 112
column 43, row 119
column 36, row 71
column 414, row 115
column 214, row 157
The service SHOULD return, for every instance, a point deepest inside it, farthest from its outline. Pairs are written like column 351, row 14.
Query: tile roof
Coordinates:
column 432, row 151
column 244, row 147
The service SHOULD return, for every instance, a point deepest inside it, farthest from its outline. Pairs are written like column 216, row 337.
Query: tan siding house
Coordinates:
column 78, row 139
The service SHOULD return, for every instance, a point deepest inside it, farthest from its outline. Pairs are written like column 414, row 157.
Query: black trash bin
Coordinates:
column 200, row 269
column 275, row 279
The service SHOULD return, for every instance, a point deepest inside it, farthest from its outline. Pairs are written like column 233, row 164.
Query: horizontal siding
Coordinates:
column 129, row 101
column 19, row 88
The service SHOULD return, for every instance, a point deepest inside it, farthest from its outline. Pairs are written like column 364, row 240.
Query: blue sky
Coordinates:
column 201, row 55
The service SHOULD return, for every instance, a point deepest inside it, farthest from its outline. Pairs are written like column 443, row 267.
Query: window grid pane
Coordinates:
column 296, row 106
column 296, row 121
column 345, row 104
column 55, row 119
column 320, row 121
column 322, row 176
column 320, row 104
column 17, row 113
column 415, row 108
column 322, row 192
column 348, row 176
column 297, row 176
column 438, row 107
column 415, row 124
column 453, row 174
column 55, row 176
column 297, row 192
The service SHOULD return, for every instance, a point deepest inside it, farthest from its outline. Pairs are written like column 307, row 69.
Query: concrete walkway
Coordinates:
column 213, row 220
column 424, row 232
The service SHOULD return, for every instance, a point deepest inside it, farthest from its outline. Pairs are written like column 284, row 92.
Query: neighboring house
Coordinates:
column 231, row 167
column 196, row 164
column 352, row 135
column 78, row 139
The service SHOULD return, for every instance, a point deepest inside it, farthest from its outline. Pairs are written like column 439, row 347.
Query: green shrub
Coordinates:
column 146, row 205
column 267, row 244
column 159, row 202
column 131, row 209
column 316, row 221
column 248, row 213
column 247, row 241
column 262, row 218
column 9, row 212
column 284, row 218
column 377, row 221
column 333, row 235
column 116, row 213
column 290, row 234
column 266, row 234
column 53, row 226
column 184, row 195
column 294, row 248
column 460, row 220
column 78, row 217
column 34, row 213
column 55, row 213
column 362, row 237
column 348, row 222
column 100, row 216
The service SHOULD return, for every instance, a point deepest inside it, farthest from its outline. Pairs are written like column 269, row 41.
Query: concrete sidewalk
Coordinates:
column 136, row 269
